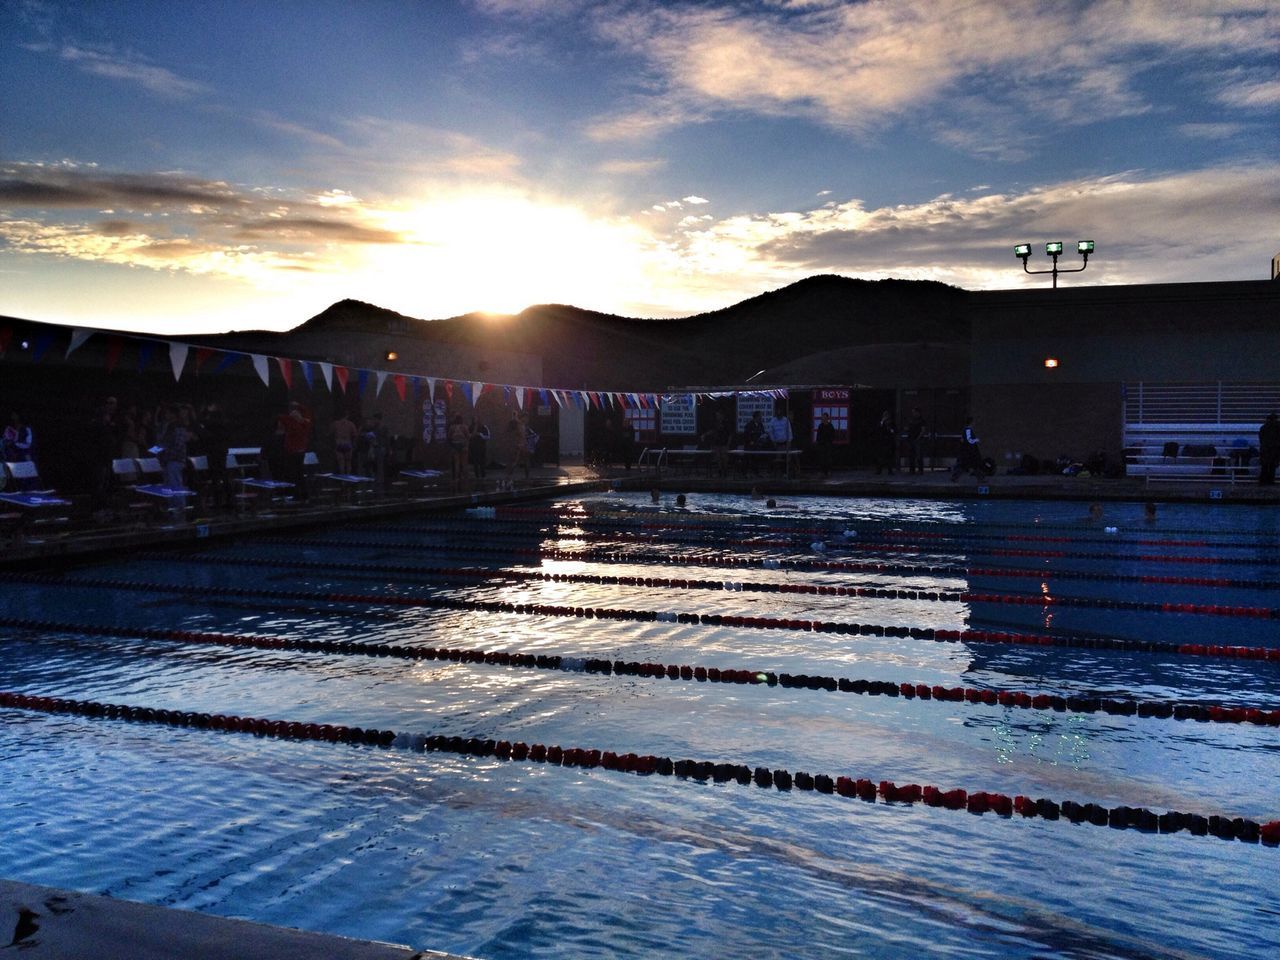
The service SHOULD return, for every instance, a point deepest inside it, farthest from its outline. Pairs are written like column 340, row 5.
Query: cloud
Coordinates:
column 629, row 167
column 112, row 66
column 694, row 200
column 858, row 66
column 1213, row 223
column 169, row 221
column 1252, row 94
column 1211, row 131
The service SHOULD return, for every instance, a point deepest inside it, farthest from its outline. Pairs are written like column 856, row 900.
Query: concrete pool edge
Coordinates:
column 48, row 923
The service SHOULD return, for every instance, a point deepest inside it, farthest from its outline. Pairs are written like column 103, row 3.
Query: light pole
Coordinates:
column 1054, row 249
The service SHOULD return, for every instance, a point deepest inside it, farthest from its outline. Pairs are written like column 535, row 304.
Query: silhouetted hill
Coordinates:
column 800, row 333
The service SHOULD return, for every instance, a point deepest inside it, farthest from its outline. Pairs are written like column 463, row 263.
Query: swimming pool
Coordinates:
column 493, row 858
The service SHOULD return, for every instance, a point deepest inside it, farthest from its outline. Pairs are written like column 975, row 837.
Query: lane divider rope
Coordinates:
column 977, row 802
column 1074, row 703
column 611, row 613
column 472, row 574
column 739, row 561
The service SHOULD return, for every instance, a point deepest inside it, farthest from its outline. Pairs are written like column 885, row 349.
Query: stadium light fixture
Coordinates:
column 1054, row 249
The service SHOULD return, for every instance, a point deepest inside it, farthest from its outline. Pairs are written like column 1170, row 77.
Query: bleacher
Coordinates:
column 1192, row 452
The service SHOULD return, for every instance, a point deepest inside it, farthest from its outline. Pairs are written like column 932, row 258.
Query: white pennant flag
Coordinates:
column 327, row 370
column 520, row 397
column 431, row 389
column 382, row 378
column 78, row 337
column 178, row 358
column 260, row 364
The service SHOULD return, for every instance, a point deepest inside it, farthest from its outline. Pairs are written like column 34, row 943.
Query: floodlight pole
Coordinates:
column 1054, row 250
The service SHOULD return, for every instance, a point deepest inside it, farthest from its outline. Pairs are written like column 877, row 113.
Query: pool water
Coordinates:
column 507, row 859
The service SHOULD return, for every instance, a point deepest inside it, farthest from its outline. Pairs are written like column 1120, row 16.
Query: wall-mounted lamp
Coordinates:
column 1050, row 363
column 391, row 356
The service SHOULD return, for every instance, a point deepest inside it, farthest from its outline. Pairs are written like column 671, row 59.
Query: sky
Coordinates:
column 203, row 166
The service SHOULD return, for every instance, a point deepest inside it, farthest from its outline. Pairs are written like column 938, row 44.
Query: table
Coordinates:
column 31, row 502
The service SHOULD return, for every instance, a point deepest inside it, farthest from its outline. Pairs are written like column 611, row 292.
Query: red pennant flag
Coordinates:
column 114, row 346
column 448, row 389
column 202, row 354
column 5, row 334
column 341, row 374
column 286, row 371
column 399, row 381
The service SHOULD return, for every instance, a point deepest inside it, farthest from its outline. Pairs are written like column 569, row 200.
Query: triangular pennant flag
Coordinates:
column 286, row 371
column 506, row 395
column 542, row 395
column 307, row 374
column 225, row 363
column 520, row 397
column 78, row 337
column 477, row 391
column 362, row 381
column 144, row 353
column 203, row 354
column 559, row 395
column 466, row 392
column 417, row 384
column 114, row 346
column 260, row 365
column 327, row 370
column 399, row 381
column 178, row 358
column 341, row 373
column 448, row 389
column 431, row 389
column 382, row 378
column 42, row 346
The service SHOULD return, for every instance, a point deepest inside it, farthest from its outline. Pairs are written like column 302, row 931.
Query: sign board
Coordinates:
column 747, row 406
column 435, row 421
column 680, row 414
column 833, row 401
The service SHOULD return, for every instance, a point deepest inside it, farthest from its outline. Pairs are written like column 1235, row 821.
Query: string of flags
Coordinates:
column 337, row 378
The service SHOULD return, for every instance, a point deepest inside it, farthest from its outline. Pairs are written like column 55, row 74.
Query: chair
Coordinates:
column 25, row 477
column 150, row 471
column 124, row 474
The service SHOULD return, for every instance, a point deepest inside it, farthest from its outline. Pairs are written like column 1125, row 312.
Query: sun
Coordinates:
column 502, row 252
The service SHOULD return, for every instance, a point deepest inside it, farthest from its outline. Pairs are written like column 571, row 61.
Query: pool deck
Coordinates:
column 45, row 923
column 82, row 540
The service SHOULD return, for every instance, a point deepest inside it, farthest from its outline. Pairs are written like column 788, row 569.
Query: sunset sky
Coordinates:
column 183, row 166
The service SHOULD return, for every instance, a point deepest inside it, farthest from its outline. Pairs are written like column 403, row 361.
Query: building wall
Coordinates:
column 1048, row 420
column 1103, row 337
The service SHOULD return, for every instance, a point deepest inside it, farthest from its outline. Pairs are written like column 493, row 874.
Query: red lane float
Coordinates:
column 1073, row 703
column 886, row 791
column 611, row 613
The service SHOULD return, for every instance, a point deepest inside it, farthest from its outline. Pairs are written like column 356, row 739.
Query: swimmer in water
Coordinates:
column 1149, row 512
column 653, row 495
column 680, row 500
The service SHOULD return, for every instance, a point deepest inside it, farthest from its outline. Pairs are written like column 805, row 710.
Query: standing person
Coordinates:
column 970, row 459
column 915, row 441
column 518, row 432
column 344, row 443
column 294, row 429
column 754, row 435
column 459, row 447
column 1269, row 449
column 780, row 437
column 172, row 439
column 478, row 451
column 825, row 438
column 216, row 434
column 886, row 443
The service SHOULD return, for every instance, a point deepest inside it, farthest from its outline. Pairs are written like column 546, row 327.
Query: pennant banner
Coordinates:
column 431, row 389
column 202, row 355
column 399, row 381
column 467, row 392
column 326, row 369
column 362, row 381
column 260, row 365
column 227, row 360
column 341, row 373
column 78, row 337
column 144, row 353
column 114, row 346
column 382, row 378
column 286, row 371
column 42, row 346
column 307, row 373
column 177, row 358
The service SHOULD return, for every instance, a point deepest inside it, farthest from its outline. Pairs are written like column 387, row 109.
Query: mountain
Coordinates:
column 824, row 329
